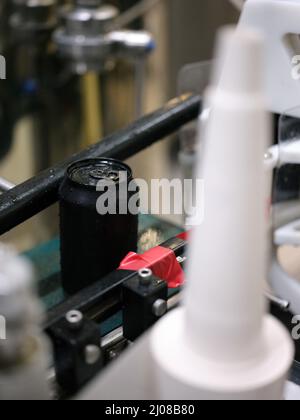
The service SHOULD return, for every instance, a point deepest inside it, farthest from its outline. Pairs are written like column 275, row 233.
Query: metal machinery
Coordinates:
column 73, row 322
column 102, row 302
column 67, row 63
column 93, row 331
column 56, row 53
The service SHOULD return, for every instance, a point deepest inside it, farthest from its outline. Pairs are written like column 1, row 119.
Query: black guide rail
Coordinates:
column 35, row 195
column 103, row 298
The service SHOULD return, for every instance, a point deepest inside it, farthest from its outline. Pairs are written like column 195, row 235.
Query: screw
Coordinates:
column 145, row 276
column 112, row 355
column 75, row 319
column 159, row 308
column 181, row 260
column 92, row 354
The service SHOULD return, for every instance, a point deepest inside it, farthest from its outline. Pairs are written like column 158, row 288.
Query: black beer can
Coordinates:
column 97, row 228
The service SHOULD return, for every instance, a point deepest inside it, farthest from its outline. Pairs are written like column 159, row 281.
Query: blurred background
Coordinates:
column 53, row 103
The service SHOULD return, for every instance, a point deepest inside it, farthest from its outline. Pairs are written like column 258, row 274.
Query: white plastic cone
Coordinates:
column 223, row 345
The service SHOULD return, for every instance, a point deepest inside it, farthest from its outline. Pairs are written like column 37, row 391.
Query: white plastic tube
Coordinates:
column 223, row 345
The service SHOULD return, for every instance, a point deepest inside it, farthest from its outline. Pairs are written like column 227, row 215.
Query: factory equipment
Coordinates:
column 182, row 355
column 135, row 307
column 56, row 54
column 87, row 41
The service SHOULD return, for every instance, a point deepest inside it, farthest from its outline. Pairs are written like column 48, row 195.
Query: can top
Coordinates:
column 89, row 172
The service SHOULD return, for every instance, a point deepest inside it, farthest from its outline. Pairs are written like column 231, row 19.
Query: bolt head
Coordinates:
column 74, row 319
column 92, row 354
column 160, row 308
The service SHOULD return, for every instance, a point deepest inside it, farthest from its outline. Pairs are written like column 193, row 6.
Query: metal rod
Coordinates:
column 33, row 196
column 5, row 185
column 282, row 304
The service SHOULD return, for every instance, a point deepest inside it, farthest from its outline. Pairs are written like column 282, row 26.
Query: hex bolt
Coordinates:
column 75, row 319
column 112, row 355
column 145, row 276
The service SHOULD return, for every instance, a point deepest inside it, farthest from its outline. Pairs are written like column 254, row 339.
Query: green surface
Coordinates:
column 46, row 258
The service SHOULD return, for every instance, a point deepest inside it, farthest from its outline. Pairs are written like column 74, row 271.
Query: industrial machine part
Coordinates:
column 33, row 16
column 286, row 233
column 145, row 301
column 77, row 351
column 88, row 46
column 94, row 240
column 85, row 41
column 25, row 31
column 81, row 40
column 24, row 355
column 36, row 194
column 5, row 185
column 37, row 88
column 232, row 311
column 41, row 86
column 286, row 155
column 282, row 48
column 105, row 296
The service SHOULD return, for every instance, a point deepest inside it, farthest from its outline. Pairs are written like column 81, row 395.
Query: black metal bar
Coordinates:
column 105, row 294
column 33, row 196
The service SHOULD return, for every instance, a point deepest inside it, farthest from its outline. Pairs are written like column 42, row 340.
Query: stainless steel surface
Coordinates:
column 283, row 304
column 5, row 185
column 92, row 354
column 75, row 319
column 160, row 307
column 181, row 260
column 34, row 15
column 175, row 301
column 145, row 276
column 85, row 41
column 112, row 338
